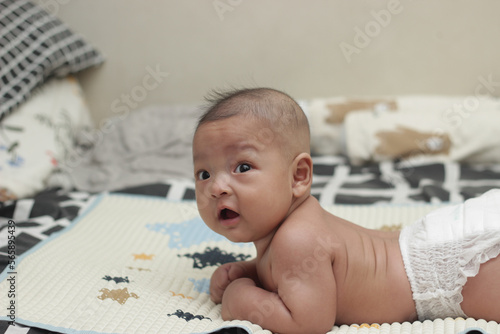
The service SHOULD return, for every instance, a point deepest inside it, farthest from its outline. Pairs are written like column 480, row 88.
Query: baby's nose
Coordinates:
column 218, row 194
column 220, row 186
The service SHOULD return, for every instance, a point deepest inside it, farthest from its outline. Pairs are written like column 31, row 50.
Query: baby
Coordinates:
column 253, row 173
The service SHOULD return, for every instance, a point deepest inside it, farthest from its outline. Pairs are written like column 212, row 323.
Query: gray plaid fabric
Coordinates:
column 35, row 46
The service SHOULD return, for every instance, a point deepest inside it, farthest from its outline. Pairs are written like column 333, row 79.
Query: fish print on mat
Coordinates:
column 116, row 279
column 174, row 294
column 138, row 268
column 214, row 257
column 187, row 316
column 143, row 256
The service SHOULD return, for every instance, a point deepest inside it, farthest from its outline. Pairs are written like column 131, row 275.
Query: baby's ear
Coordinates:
column 302, row 175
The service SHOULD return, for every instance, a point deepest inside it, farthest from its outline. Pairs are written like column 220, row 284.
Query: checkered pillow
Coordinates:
column 35, row 46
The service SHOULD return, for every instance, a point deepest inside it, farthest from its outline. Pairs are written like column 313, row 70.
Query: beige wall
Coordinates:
column 174, row 51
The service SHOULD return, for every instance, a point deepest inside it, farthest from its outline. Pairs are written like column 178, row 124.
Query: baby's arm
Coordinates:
column 304, row 300
column 229, row 272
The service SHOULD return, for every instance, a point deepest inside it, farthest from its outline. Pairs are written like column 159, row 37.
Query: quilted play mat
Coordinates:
column 140, row 264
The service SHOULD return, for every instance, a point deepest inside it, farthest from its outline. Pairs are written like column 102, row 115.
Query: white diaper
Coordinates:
column 444, row 248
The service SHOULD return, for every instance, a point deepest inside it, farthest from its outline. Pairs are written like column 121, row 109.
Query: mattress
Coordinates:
column 142, row 264
column 384, row 195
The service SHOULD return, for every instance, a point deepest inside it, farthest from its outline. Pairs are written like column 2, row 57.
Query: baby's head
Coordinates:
column 251, row 162
column 282, row 121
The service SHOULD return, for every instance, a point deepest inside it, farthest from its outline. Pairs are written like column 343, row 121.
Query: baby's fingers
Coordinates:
column 235, row 271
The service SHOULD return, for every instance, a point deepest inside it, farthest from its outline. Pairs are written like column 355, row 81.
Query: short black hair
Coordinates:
column 274, row 106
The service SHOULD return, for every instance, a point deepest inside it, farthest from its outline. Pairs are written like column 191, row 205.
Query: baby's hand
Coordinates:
column 221, row 278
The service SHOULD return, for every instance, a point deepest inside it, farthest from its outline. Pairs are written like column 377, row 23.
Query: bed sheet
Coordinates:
column 335, row 182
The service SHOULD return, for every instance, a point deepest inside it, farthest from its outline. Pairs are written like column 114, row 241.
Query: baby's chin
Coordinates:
column 237, row 238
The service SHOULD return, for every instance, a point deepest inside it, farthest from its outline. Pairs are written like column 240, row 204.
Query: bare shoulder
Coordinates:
column 303, row 230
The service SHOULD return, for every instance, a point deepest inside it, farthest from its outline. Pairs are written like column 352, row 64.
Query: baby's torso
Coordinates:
column 371, row 282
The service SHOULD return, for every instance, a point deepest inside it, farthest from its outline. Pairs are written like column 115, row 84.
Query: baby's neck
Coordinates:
column 263, row 244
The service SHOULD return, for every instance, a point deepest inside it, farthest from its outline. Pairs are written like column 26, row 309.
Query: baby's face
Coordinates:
column 243, row 181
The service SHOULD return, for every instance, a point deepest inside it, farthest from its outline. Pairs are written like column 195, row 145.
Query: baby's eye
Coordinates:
column 203, row 175
column 243, row 168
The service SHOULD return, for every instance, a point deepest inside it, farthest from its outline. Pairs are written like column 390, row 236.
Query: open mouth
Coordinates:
column 226, row 214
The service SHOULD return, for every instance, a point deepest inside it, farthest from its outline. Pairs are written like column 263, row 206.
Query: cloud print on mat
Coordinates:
column 186, row 234
column 201, row 285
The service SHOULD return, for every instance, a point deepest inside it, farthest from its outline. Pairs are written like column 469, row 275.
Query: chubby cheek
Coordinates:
column 269, row 206
column 204, row 207
column 202, row 200
column 208, row 219
column 275, row 203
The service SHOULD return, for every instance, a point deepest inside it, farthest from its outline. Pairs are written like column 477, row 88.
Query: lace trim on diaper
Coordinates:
column 437, row 272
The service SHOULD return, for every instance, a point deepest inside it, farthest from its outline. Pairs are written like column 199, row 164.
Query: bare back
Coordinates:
column 369, row 279
column 372, row 285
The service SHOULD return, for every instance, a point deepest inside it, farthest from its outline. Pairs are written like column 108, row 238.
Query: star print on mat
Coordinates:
column 119, row 295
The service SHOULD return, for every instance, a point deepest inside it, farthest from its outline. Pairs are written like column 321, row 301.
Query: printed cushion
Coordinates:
column 40, row 137
column 35, row 46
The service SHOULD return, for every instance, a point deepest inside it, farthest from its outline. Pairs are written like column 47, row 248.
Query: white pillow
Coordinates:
column 38, row 137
